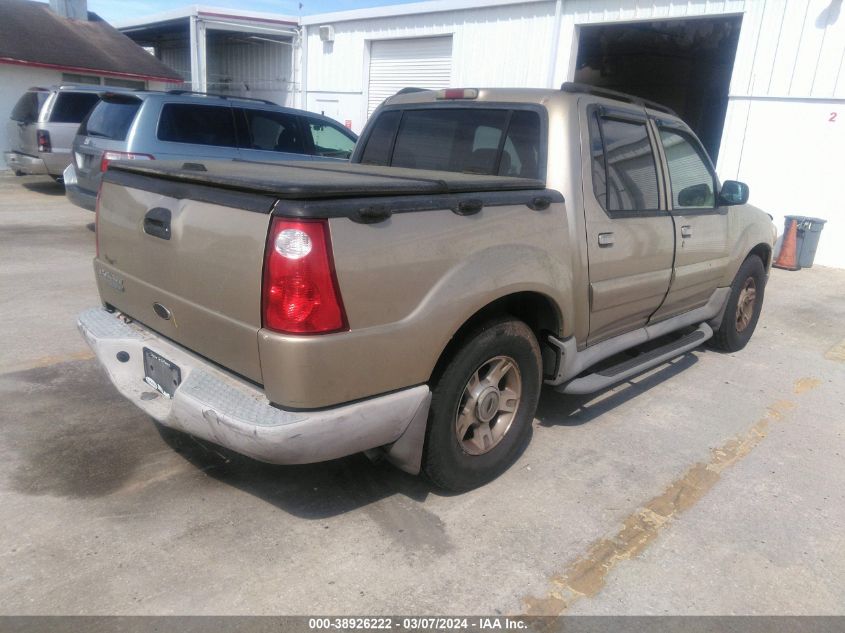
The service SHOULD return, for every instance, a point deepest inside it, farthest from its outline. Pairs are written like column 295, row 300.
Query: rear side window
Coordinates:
column 623, row 165
column 72, row 107
column 28, row 106
column 494, row 141
column 273, row 132
column 197, row 124
column 111, row 119
column 330, row 140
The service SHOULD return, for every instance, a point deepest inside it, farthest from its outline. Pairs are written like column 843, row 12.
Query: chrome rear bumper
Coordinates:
column 222, row 408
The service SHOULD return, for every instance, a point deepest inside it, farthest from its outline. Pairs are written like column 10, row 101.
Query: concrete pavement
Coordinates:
column 712, row 485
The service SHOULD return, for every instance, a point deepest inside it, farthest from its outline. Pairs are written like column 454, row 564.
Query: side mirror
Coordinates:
column 696, row 196
column 733, row 192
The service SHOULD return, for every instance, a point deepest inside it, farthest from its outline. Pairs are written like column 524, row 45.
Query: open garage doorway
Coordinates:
column 684, row 64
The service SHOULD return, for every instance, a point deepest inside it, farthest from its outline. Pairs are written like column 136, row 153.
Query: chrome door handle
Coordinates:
column 686, row 231
column 605, row 239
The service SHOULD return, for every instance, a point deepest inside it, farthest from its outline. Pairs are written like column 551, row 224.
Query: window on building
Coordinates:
column 623, row 165
column 330, row 140
column 693, row 184
column 72, row 107
column 73, row 78
column 197, row 124
column 132, row 84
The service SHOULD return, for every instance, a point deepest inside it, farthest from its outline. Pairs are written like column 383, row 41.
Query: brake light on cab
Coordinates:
column 111, row 155
column 457, row 93
column 300, row 293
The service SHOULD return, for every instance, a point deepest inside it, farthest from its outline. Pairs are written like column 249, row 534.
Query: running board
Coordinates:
column 617, row 373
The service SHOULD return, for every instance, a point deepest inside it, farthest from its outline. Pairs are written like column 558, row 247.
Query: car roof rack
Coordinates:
column 219, row 96
column 578, row 88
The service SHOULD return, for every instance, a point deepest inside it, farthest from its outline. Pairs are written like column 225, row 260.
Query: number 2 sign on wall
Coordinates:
column 832, row 118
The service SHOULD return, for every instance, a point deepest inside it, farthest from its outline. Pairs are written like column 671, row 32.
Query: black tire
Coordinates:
column 732, row 336
column 58, row 179
column 445, row 461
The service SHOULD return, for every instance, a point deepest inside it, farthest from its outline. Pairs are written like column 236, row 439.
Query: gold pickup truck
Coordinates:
column 413, row 302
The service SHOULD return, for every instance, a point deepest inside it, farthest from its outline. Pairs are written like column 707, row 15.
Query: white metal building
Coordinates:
column 245, row 53
column 761, row 81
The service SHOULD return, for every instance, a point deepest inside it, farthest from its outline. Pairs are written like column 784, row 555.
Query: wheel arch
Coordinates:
column 764, row 252
column 537, row 310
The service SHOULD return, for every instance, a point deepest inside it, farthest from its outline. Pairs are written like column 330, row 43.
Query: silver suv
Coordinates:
column 180, row 125
column 42, row 127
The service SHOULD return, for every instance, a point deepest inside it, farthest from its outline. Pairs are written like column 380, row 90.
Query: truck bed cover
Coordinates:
column 299, row 180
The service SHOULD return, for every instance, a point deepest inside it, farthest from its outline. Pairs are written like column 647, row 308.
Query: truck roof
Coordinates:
column 522, row 95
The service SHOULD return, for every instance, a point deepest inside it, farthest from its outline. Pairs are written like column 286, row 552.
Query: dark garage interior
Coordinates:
column 683, row 64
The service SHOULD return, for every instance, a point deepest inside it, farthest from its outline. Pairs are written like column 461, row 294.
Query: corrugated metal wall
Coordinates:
column 239, row 64
column 178, row 57
column 250, row 66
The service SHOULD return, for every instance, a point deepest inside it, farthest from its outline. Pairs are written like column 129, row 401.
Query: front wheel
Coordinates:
column 483, row 405
column 743, row 309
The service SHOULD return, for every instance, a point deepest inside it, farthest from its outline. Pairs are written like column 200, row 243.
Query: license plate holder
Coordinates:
column 160, row 373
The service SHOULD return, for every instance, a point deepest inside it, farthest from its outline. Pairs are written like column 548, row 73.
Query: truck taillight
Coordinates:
column 110, row 155
column 300, row 293
column 43, row 138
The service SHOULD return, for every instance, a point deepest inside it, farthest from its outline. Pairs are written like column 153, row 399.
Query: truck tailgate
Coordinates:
column 187, row 268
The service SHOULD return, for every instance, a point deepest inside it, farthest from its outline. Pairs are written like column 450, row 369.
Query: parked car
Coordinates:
column 412, row 302
column 43, row 125
column 192, row 126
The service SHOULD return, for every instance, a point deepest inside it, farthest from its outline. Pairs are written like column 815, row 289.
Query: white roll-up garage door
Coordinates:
column 396, row 64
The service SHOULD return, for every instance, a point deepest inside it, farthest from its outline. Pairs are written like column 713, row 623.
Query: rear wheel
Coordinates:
column 483, row 405
column 743, row 309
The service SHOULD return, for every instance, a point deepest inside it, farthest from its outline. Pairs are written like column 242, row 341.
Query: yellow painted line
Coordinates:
column 837, row 352
column 47, row 361
column 587, row 575
column 803, row 385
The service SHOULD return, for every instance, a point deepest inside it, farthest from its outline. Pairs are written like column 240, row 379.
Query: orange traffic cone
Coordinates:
column 788, row 256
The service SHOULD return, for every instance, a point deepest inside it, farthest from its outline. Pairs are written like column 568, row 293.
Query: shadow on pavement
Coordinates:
column 311, row 491
column 557, row 409
column 47, row 187
column 76, row 437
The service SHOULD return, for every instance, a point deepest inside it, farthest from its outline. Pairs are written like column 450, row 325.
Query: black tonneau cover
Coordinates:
column 320, row 180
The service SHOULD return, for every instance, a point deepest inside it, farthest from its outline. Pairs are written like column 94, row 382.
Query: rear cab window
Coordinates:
column 111, row 118
column 197, row 124
column 499, row 140
column 72, row 107
column 27, row 108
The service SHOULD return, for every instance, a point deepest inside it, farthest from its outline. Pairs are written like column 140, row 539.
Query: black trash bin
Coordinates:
column 809, row 232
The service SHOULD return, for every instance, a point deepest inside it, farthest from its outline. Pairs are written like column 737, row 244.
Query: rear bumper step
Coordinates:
column 220, row 407
column 617, row 373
